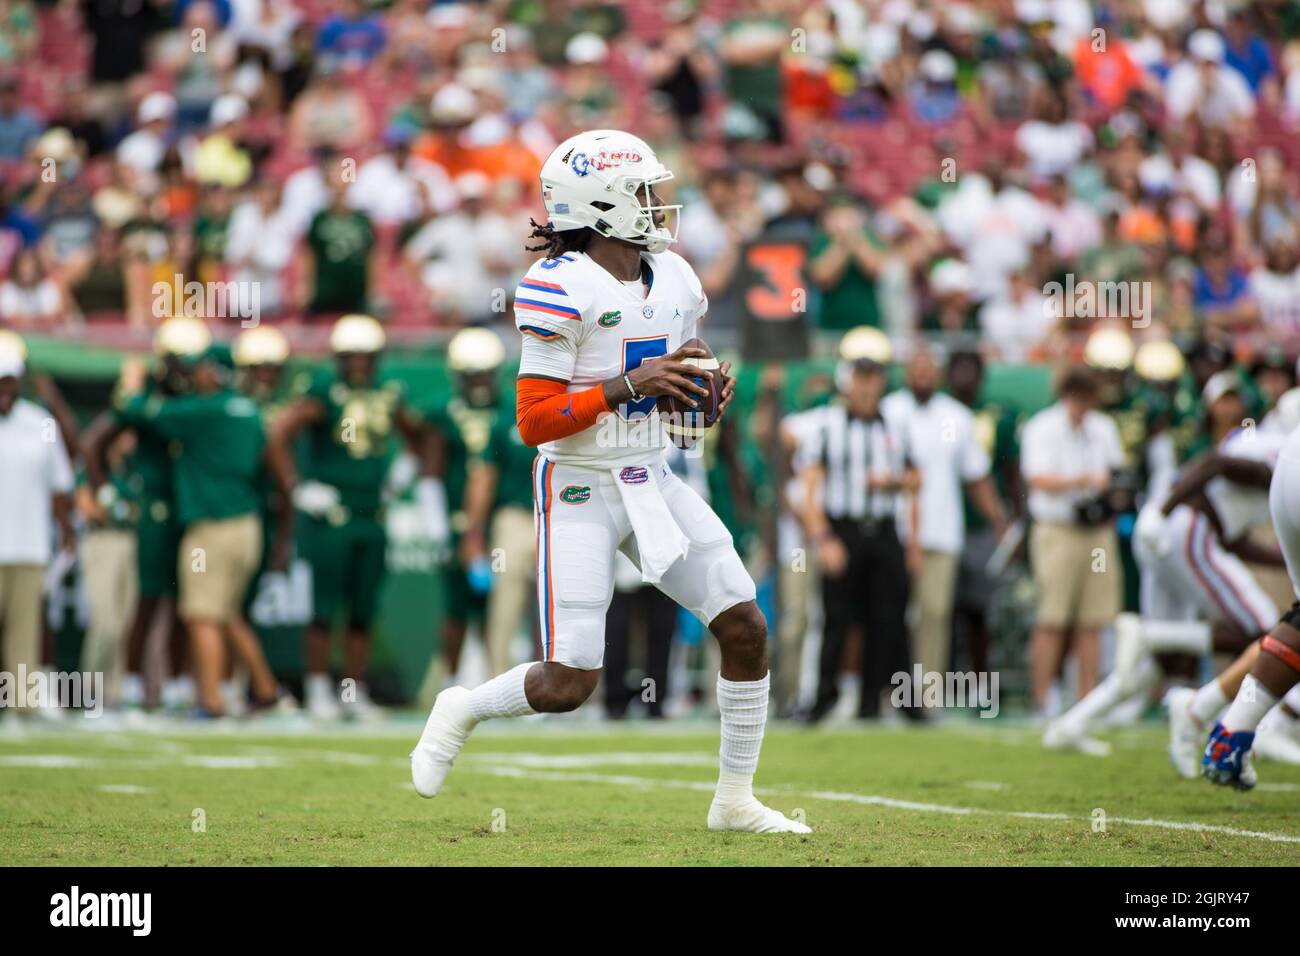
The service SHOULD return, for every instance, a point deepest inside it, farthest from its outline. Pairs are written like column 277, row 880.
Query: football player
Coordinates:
column 349, row 414
column 603, row 316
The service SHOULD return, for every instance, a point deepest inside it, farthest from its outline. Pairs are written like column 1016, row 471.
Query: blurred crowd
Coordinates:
column 897, row 163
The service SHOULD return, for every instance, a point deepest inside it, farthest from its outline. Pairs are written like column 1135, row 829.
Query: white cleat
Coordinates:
column 445, row 732
column 1063, row 734
column 323, row 704
column 1186, row 733
column 750, row 816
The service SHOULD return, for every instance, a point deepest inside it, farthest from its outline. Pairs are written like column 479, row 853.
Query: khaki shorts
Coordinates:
column 216, row 563
column 1079, row 575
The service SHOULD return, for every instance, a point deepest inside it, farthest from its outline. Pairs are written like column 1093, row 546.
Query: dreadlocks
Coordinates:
column 556, row 243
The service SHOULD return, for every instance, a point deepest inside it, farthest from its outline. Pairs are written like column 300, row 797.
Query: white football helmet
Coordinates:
column 593, row 180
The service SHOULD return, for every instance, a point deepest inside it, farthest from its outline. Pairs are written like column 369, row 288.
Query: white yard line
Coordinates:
column 889, row 802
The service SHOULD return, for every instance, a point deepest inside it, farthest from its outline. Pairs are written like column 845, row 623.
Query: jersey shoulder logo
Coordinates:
column 576, row 494
column 608, row 320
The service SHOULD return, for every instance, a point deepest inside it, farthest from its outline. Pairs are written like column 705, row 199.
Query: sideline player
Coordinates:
column 603, row 318
column 348, row 414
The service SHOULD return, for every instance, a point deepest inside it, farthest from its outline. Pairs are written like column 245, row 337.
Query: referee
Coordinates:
column 854, row 468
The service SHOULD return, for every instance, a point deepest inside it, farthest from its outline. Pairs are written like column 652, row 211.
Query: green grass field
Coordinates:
column 554, row 793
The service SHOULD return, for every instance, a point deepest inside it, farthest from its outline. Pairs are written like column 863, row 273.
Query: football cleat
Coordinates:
column 1063, row 734
column 448, row 727
column 1186, row 733
column 1226, row 759
column 750, row 816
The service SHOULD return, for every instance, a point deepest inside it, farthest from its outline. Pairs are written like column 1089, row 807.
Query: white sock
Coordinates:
column 1292, row 699
column 743, row 705
column 132, row 690
column 1099, row 701
column 502, row 696
column 1207, row 703
column 1186, row 637
column 317, row 686
column 1252, row 703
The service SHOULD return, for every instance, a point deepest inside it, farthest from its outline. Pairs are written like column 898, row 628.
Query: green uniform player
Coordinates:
column 349, row 420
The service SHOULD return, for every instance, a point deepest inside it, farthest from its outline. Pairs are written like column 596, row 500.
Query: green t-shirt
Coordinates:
column 852, row 301
column 221, row 438
column 341, row 244
column 351, row 447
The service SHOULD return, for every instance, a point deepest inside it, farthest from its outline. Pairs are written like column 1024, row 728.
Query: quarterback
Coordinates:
column 603, row 317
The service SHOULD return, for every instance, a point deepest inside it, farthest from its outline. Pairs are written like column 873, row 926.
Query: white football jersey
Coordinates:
column 593, row 327
column 1239, row 507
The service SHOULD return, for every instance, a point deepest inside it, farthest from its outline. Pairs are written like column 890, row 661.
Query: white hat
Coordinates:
column 472, row 185
column 1205, row 44
column 586, row 48
column 13, row 355
column 951, row 275
column 453, row 104
column 156, row 106
column 1220, row 384
column 938, row 66
column 229, row 108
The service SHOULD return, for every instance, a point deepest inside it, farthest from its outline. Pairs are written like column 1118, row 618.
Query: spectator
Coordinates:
column 260, row 243
column 1203, row 87
column 28, row 296
column 463, row 257
column 338, row 258
column 329, row 114
column 1275, row 287
column 845, row 260
column 19, row 126
column 1069, row 451
column 199, row 71
column 395, row 188
column 141, row 153
column 1017, row 323
column 352, row 34
column 1222, row 289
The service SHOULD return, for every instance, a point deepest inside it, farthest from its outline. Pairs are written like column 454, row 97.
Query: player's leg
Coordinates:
column 661, row 626
column 577, row 537
column 370, row 545
column 512, row 586
column 324, row 547
column 711, row 582
column 1276, row 669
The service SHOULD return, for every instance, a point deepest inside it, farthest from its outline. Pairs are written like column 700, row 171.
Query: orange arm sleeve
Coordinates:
column 545, row 412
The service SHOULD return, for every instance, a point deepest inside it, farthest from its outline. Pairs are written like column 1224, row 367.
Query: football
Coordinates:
column 685, row 425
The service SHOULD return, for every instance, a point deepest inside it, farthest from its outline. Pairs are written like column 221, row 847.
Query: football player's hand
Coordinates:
column 670, row 375
column 728, row 386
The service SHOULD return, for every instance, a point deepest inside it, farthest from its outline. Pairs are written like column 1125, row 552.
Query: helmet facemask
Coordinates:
column 642, row 228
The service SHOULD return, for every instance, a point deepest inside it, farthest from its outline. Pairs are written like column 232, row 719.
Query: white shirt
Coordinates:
column 1227, row 98
column 942, row 444
column 388, row 193
column 581, row 325
column 1242, row 507
column 35, row 468
column 1050, row 445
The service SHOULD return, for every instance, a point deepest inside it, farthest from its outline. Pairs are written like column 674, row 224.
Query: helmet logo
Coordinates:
column 580, row 164
column 610, row 159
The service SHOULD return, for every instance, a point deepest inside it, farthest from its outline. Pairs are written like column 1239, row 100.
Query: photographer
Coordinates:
column 1069, row 453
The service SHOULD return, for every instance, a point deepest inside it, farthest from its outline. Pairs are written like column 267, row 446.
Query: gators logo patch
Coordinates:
column 576, row 494
column 633, row 476
column 608, row 320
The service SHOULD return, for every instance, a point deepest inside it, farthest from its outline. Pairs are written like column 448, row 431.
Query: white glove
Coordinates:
column 1151, row 531
column 431, row 495
column 315, row 498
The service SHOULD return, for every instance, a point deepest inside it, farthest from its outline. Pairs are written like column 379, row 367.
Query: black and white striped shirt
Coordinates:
column 852, row 451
